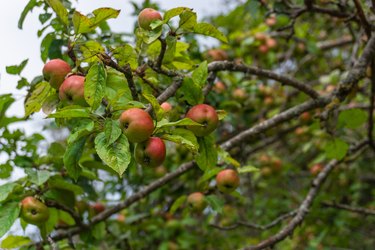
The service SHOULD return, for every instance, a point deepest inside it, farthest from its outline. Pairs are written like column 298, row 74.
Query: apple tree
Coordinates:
column 263, row 139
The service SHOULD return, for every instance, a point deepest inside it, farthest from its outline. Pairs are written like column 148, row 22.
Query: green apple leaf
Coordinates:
column 183, row 122
column 72, row 111
column 215, row 203
column 7, row 189
column 81, row 23
column 188, row 20
column 5, row 170
column 95, row 85
column 210, row 30
column 248, row 169
column 200, row 74
column 99, row 231
column 174, row 12
column 177, row 203
column 60, row 10
column 336, row 149
column 190, row 92
column 90, row 50
column 28, row 8
column 184, row 137
column 85, row 128
column 72, row 156
column 14, row 241
column 126, row 54
column 16, row 69
column 39, row 94
column 112, row 131
column 171, row 49
column 9, row 212
column 58, row 182
column 116, row 155
column 224, row 156
column 155, row 106
column 38, row 177
column 352, row 118
column 207, row 156
column 103, row 14
column 209, row 174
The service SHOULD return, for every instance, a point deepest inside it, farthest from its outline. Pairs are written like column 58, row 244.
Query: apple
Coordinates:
column 160, row 171
column 260, row 36
column 205, row 115
column 150, row 153
column 217, row 55
column 316, row 168
column 196, row 201
column 239, row 94
column 33, row 211
column 55, row 71
column 219, row 87
column 268, row 101
column 137, row 124
column 147, row 16
column 121, row 218
column 72, row 89
column 98, row 207
column 305, row 116
column 271, row 21
column 227, row 180
column 166, row 106
column 263, row 49
column 271, row 43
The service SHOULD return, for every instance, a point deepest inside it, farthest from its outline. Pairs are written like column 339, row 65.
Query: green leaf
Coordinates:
column 183, row 122
column 28, row 8
column 227, row 158
column 112, row 131
column 45, row 45
column 352, row 118
column 215, row 203
column 7, row 189
column 50, row 104
column 14, row 241
column 207, row 157
column 126, row 54
column 72, row 156
column 90, row 50
column 72, row 111
column 8, row 214
column 103, row 14
column 117, row 155
column 16, row 69
column 188, row 20
column 171, row 49
column 209, row 30
column 60, row 10
column 336, row 149
column 177, row 203
column 247, row 169
column 95, row 85
column 81, row 23
column 59, row 183
column 5, row 102
column 98, row 231
column 84, row 24
column 84, row 129
column 174, row 12
column 190, row 92
column 38, row 177
column 200, row 74
column 221, row 114
column 184, row 137
column 5, row 170
column 39, row 94
column 209, row 174
column 155, row 105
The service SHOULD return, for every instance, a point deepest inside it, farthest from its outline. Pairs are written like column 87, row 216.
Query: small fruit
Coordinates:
column 219, row 87
column 196, row 201
column 305, row 117
column 136, row 124
column 166, row 106
column 271, row 21
column 316, row 168
column 271, row 43
column 263, row 48
column 72, row 89
column 217, row 55
column 55, row 71
column 98, row 207
column 205, row 115
column 227, row 180
column 150, row 153
column 33, row 211
column 239, row 94
column 160, row 171
column 147, row 16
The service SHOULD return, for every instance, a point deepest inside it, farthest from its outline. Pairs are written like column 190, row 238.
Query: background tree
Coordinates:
column 280, row 154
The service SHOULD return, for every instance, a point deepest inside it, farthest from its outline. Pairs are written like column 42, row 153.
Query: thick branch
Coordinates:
column 285, row 80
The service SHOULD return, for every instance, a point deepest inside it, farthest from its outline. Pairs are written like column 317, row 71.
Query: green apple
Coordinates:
column 33, row 211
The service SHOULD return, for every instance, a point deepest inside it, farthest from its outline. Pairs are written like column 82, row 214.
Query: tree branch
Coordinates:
column 358, row 210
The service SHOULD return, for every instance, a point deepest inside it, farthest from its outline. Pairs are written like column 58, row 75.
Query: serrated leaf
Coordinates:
column 84, row 129
column 183, row 122
column 336, row 149
column 117, row 155
column 210, row 30
column 155, row 105
column 177, row 203
column 247, row 169
column 207, row 156
column 7, row 189
column 112, row 131
column 171, row 49
column 28, row 8
column 14, row 241
column 200, row 74
column 188, row 20
column 352, row 118
column 190, row 92
column 227, row 158
column 215, row 203
column 95, row 85
column 38, row 177
column 221, row 114
column 81, row 23
column 72, row 156
column 40, row 93
column 126, row 54
column 16, row 69
column 174, row 12
column 60, row 10
column 71, row 112
column 90, row 50
column 8, row 214
column 184, row 137
column 103, row 14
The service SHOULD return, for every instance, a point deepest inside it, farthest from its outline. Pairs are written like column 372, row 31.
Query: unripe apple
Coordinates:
column 205, row 115
column 33, row 211
column 136, row 124
column 166, row 106
column 217, row 55
column 55, row 71
column 147, row 16
column 150, row 153
column 227, row 180
column 72, row 90
column 196, row 201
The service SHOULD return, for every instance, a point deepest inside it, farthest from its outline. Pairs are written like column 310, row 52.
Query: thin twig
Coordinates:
column 358, row 210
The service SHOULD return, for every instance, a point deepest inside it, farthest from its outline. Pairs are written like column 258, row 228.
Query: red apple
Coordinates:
column 205, row 115
column 316, row 168
column 227, row 180
column 137, row 124
column 217, row 55
column 55, row 71
column 219, row 87
column 150, row 153
column 166, row 106
column 98, row 207
column 263, row 49
column 196, row 201
column 72, row 90
column 147, row 16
